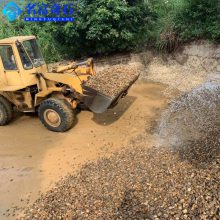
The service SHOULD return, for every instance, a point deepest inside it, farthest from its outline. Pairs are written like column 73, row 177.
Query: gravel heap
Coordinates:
column 138, row 183
column 111, row 81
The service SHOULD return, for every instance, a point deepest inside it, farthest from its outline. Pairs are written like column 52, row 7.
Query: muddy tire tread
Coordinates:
column 3, row 111
column 64, row 110
column 8, row 107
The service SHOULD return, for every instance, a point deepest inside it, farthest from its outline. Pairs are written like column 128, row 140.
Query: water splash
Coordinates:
column 192, row 115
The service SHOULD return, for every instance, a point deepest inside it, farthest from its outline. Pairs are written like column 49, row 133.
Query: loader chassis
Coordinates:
column 27, row 85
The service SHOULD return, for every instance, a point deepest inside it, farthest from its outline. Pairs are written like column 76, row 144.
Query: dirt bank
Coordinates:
column 183, row 70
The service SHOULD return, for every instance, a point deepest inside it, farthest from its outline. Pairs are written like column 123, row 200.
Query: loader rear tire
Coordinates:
column 56, row 115
column 6, row 111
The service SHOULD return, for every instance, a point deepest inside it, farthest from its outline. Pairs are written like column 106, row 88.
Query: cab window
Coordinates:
column 8, row 58
column 26, row 62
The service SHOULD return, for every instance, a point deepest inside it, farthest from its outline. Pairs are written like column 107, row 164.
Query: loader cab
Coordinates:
column 30, row 54
column 8, row 58
column 20, row 60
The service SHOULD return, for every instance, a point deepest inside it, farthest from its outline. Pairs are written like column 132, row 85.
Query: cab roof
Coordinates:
column 11, row 40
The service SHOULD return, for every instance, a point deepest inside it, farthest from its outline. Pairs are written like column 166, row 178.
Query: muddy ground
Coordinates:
column 150, row 179
column 33, row 158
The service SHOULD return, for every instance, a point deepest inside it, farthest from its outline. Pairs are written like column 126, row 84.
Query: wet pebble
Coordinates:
column 134, row 184
column 111, row 81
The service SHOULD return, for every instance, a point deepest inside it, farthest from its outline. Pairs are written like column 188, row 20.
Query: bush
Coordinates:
column 108, row 26
column 101, row 27
column 165, row 37
column 199, row 19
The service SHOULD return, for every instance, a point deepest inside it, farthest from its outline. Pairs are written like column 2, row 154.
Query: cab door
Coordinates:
column 10, row 67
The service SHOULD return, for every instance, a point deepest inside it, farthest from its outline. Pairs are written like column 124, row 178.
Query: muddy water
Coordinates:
column 32, row 158
column 193, row 115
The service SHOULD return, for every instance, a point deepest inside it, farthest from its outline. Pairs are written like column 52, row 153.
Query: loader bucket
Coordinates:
column 98, row 102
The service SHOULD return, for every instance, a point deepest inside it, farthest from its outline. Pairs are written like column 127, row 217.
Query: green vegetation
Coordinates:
column 199, row 19
column 109, row 26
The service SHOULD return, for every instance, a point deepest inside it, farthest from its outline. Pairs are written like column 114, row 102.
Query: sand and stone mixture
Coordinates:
column 176, row 180
column 113, row 80
column 177, row 177
column 137, row 183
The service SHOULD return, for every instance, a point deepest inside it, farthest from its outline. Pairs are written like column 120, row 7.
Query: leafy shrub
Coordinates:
column 101, row 27
column 108, row 26
column 199, row 19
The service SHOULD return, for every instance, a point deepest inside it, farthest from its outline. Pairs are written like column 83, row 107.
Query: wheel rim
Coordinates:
column 52, row 118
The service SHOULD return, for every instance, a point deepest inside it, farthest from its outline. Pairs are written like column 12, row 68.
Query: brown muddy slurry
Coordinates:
column 32, row 158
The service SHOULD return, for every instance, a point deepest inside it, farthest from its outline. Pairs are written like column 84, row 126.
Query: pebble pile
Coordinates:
column 111, row 81
column 138, row 183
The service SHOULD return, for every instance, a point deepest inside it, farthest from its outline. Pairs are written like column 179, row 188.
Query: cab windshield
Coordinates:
column 33, row 50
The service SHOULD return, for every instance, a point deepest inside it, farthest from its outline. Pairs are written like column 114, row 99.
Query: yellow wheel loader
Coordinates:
column 27, row 85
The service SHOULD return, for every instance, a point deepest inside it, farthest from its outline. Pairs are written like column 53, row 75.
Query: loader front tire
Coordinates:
column 6, row 111
column 56, row 115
